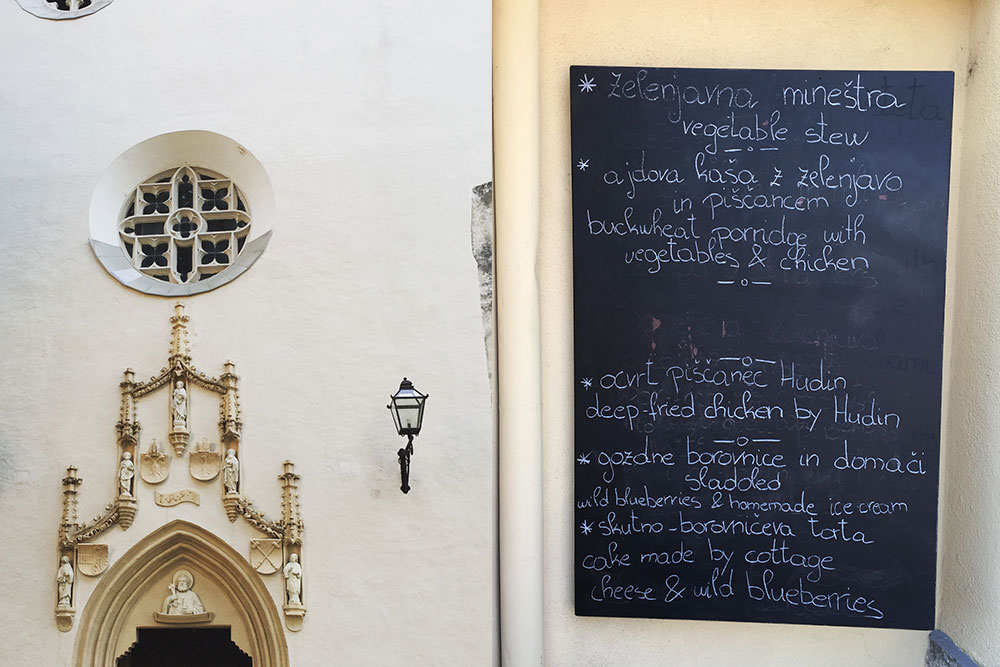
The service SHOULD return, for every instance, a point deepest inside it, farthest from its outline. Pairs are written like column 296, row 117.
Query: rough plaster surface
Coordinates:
column 892, row 34
column 482, row 250
column 373, row 122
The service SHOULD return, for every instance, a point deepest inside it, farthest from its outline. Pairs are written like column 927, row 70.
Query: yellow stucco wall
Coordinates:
column 768, row 34
column 969, row 590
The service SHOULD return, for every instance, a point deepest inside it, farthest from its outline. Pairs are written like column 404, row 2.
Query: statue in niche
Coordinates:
column 182, row 599
column 126, row 471
column 293, row 580
column 64, row 581
column 231, row 472
column 178, row 405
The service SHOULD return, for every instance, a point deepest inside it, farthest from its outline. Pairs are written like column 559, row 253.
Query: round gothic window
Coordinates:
column 184, row 225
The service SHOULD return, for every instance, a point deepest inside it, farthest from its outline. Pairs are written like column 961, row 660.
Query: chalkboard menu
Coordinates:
column 759, row 266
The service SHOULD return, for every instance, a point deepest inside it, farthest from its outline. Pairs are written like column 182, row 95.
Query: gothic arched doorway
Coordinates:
column 123, row 603
column 191, row 647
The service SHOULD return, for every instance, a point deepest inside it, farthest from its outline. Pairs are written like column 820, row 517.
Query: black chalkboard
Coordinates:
column 759, row 265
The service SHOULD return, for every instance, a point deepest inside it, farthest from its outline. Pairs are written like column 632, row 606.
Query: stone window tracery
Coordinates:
column 62, row 9
column 184, row 225
column 69, row 5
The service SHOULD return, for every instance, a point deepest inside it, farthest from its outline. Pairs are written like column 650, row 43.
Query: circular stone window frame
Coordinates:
column 46, row 10
column 195, row 148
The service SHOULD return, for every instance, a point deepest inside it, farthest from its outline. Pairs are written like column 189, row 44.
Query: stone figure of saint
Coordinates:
column 64, row 581
column 293, row 579
column 179, row 407
column 182, row 599
column 231, row 472
column 126, row 470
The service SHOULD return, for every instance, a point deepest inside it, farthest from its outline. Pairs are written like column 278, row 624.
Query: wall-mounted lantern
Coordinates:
column 407, row 408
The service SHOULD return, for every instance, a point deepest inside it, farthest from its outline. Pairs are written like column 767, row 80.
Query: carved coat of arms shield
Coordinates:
column 265, row 555
column 92, row 559
column 204, row 464
column 154, row 467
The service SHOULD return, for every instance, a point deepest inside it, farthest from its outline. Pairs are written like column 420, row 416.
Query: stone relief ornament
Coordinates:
column 177, row 378
column 154, row 465
column 183, row 600
column 177, row 497
column 182, row 605
column 204, row 462
column 265, row 555
column 64, row 583
column 92, row 559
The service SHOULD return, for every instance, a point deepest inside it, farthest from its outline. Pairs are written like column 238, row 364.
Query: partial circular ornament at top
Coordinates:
column 60, row 10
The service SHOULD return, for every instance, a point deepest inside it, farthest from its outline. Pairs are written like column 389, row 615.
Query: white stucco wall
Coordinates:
column 373, row 122
column 930, row 35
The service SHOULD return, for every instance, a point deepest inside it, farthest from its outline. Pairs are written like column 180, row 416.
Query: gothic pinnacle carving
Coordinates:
column 128, row 426
column 71, row 484
column 180, row 348
column 290, row 504
column 230, row 423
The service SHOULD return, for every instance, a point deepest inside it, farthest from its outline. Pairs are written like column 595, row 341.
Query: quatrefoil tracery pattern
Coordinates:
column 69, row 5
column 184, row 225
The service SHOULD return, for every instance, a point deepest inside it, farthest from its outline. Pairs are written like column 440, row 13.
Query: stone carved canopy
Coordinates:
column 204, row 464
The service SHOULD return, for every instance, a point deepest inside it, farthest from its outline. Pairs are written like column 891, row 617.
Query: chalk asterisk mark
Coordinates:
column 587, row 84
column 582, row 164
column 583, row 459
column 587, row 382
column 586, row 527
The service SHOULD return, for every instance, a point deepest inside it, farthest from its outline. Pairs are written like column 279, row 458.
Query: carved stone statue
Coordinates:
column 293, row 579
column 64, row 581
column 126, row 471
column 178, row 405
column 231, row 472
column 183, row 600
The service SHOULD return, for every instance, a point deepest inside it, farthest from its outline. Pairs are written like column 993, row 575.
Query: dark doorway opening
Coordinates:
column 184, row 647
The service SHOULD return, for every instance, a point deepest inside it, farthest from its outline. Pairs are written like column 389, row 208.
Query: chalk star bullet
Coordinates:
column 587, row 382
column 586, row 527
column 583, row 459
column 587, row 84
column 582, row 164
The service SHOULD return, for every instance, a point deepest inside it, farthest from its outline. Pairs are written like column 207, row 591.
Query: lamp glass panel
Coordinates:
column 409, row 411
